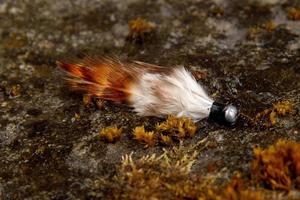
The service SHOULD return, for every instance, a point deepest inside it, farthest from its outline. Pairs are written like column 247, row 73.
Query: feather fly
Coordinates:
column 151, row 90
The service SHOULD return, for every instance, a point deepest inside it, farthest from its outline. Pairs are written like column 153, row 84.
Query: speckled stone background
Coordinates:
column 49, row 147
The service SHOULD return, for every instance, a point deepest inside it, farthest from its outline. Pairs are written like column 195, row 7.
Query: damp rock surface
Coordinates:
column 49, row 141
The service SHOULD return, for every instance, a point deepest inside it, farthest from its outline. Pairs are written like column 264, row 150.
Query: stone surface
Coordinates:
column 46, row 152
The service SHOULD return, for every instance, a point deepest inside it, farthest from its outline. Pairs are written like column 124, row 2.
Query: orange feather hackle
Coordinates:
column 106, row 78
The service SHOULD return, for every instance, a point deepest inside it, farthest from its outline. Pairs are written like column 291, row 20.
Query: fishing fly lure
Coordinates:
column 151, row 90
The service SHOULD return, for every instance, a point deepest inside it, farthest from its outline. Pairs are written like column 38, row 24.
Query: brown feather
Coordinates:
column 105, row 77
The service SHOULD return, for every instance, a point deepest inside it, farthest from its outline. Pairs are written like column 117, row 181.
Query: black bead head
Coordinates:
column 223, row 114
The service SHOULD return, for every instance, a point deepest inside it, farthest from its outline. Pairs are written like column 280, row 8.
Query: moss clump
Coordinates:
column 156, row 177
column 170, row 176
column 173, row 129
column 270, row 116
column 111, row 134
column 166, row 139
column 143, row 136
column 177, row 128
column 293, row 13
column 283, row 108
column 236, row 190
column 140, row 29
column 278, row 166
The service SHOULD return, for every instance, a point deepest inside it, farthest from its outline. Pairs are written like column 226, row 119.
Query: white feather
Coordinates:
column 176, row 93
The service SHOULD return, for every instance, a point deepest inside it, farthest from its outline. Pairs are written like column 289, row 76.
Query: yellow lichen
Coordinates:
column 278, row 166
column 177, row 127
column 111, row 134
column 143, row 136
column 293, row 13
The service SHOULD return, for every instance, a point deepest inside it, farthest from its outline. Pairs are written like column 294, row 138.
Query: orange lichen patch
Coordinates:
column 111, row 134
column 99, row 103
column 236, row 190
column 269, row 117
column 145, row 137
column 278, row 166
column 283, row 108
column 87, row 99
column 178, row 128
column 165, row 139
column 15, row 91
column 246, row 194
column 15, row 41
column 199, row 74
column 269, row 26
column 217, row 11
column 293, row 13
column 254, row 32
column 139, row 28
column 77, row 116
column 165, row 132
